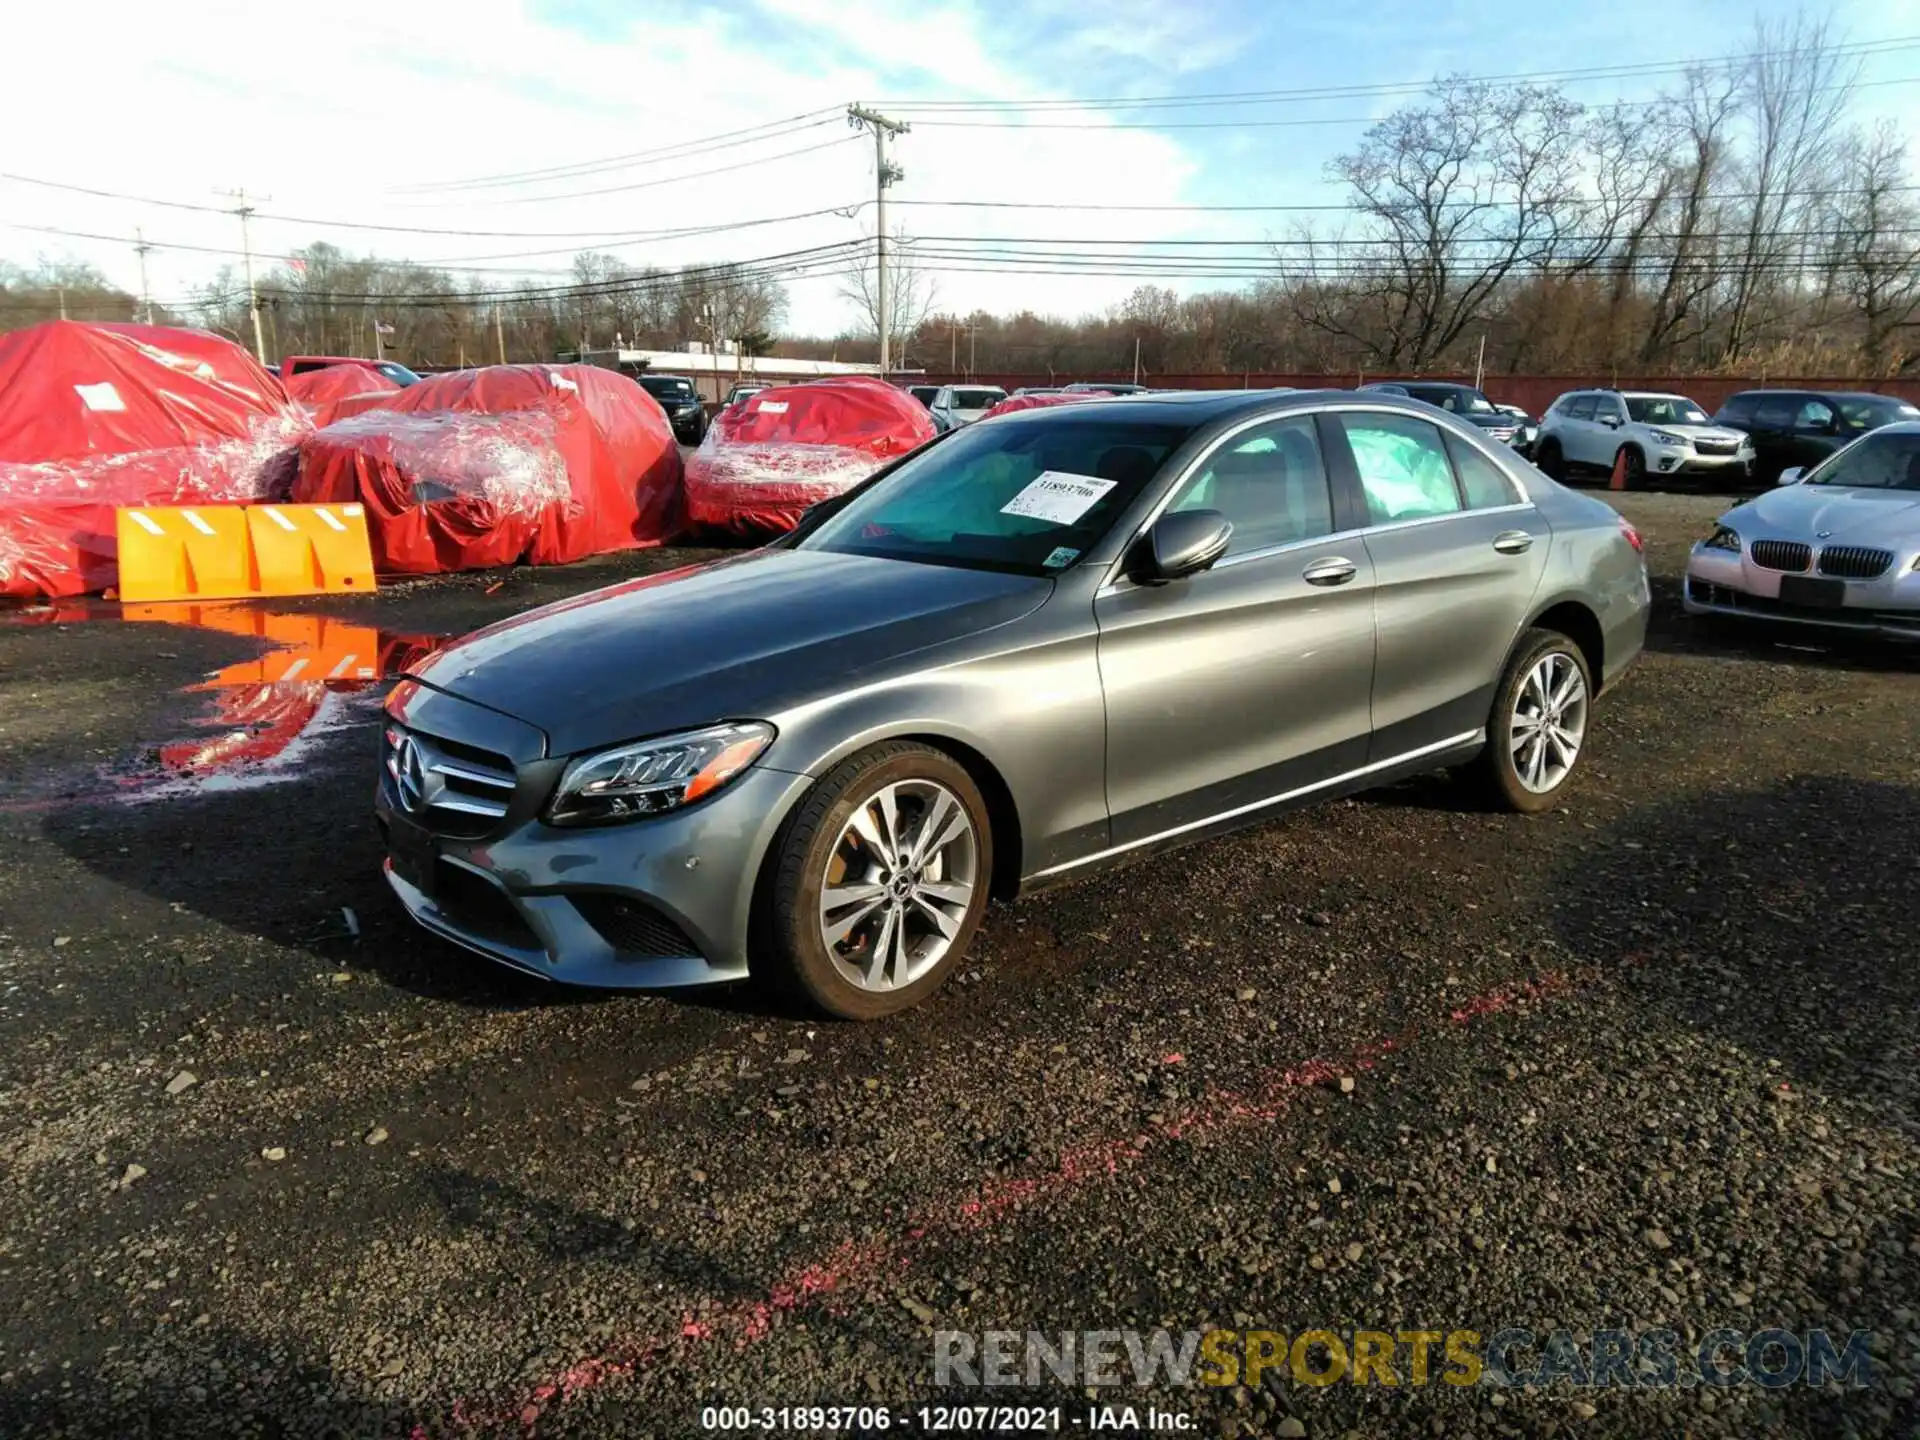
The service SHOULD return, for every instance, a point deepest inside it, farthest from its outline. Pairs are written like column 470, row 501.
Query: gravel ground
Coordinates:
column 1390, row 1064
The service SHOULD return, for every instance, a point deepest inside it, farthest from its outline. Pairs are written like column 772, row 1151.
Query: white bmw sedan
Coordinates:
column 1837, row 546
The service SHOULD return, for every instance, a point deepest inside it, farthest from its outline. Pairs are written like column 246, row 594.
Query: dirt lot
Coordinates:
column 1392, row 1064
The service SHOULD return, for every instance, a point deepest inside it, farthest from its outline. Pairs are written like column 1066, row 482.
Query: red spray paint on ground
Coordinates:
column 841, row 1278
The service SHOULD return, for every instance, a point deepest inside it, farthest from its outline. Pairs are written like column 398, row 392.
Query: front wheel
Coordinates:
column 1538, row 727
column 879, row 881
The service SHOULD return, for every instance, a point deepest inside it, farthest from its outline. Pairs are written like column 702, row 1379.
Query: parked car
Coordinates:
column 1526, row 429
column 1834, row 547
column 958, row 405
column 1105, row 387
column 925, row 394
column 681, row 402
column 1803, row 427
column 1653, row 434
column 1462, row 400
column 1025, row 651
column 743, row 392
column 292, row 365
column 1039, row 390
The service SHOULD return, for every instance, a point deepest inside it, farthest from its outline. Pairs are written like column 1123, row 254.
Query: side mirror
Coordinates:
column 1179, row 545
column 1612, row 422
column 1790, row 476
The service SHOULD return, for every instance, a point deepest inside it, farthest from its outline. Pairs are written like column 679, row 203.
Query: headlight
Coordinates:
column 655, row 775
column 1723, row 539
column 1661, row 437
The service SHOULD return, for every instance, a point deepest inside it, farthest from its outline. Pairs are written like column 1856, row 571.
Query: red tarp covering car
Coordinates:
column 94, row 417
column 541, row 464
column 1015, row 403
column 326, row 392
column 766, row 459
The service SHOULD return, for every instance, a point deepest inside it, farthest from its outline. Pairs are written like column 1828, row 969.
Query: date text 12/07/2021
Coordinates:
column 946, row 1419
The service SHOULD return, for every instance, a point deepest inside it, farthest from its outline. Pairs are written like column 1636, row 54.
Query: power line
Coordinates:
column 751, row 135
column 1348, row 206
column 1299, row 123
column 1400, row 87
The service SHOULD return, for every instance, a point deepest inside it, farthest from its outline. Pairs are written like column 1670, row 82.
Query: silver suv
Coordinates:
column 1652, row 434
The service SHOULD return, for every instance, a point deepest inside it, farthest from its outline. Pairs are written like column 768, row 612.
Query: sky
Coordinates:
column 444, row 120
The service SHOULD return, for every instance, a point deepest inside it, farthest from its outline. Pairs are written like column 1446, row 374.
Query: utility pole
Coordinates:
column 1136, row 359
column 499, row 333
column 973, row 329
column 140, row 248
column 1480, row 361
column 245, row 211
column 885, row 174
column 63, row 301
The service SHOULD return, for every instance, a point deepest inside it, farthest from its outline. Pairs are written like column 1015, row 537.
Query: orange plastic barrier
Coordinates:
column 227, row 552
column 310, row 549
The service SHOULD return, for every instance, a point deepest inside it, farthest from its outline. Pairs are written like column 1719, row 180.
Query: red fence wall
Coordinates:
column 1533, row 393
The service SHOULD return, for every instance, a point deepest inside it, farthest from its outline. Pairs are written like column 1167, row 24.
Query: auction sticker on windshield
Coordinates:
column 1058, row 497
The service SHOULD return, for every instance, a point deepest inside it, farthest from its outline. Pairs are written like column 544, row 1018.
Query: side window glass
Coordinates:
column 1403, row 467
column 1815, row 415
column 1485, row 484
column 1774, row 415
column 1580, row 408
column 1270, row 482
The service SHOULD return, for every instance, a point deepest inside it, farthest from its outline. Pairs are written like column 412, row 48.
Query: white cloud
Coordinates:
column 346, row 112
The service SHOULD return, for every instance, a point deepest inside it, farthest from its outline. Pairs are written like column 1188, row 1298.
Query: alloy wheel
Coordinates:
column 899, row 884
column 1549, row 722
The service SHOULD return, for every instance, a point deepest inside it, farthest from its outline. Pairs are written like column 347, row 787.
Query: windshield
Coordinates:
column 662, row 387
column 1867, row 414
column 398, row 373
column 1882, row 460
column 1026, row 498
column 977, row 399
column 924, row 393
column 1665, row 410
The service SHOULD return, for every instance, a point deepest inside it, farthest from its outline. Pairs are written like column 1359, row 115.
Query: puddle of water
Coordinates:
column 266, row 718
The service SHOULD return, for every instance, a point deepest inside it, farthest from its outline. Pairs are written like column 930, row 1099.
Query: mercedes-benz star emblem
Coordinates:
column 411, row 774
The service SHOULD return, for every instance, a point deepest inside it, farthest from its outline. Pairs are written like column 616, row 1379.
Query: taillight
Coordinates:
column 1633, row 535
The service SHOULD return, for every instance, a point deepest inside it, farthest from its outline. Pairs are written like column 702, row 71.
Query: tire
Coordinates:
column 1551, row 463
column 822, row 844
column 1506, row 780
column 1636, row 476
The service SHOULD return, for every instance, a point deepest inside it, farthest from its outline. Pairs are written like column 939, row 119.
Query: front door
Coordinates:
column 1458, row 551
column 1249, row 681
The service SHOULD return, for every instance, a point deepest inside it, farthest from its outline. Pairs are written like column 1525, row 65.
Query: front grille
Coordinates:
column 481, row 907
column 634, row 928
column 454, row 789
column 1781, row 554
column 1854, row 562
column 1717, row 447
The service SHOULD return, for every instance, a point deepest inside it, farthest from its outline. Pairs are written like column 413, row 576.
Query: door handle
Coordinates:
column 1513, row 542
column 1333, row 570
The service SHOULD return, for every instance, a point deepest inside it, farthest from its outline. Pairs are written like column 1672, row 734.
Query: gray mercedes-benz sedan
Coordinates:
column 1037, row 646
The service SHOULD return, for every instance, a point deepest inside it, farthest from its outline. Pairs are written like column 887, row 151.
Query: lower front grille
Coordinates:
column 634, row 928
column 480, row 906
column 1725, row 597
column 1854, row 562
column 1790, row 555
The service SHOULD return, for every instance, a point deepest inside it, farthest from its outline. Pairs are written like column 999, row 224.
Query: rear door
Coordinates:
column 1772, row 432
column 1458, row 551
column 1253, row 679
column 1575, row 430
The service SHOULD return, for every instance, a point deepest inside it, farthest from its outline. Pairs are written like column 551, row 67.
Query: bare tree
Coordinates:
column 1875, row 262
column 912, row 294
column 1680, row 222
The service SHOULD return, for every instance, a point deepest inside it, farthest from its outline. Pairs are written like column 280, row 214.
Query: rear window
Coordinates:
column 975, row 399
column 662, row 387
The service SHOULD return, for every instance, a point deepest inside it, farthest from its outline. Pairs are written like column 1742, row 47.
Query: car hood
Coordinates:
column 1808, row 512
column 742, row 639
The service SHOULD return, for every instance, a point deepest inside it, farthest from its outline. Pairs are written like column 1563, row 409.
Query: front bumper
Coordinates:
column 1685, row 460
column 689, row 426
column 653, row 904
column 1721, row 583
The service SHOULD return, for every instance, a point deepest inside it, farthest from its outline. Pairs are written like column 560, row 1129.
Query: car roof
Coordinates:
column 661, row 375
column 1202, row 407
column 1424, row 384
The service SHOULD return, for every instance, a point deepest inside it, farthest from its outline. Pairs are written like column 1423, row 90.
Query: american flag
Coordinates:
column 296, row 265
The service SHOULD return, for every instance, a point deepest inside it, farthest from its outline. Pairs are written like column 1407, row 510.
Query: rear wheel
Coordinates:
column 880, row 879
column 1552, row 463
column 1538, row 728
